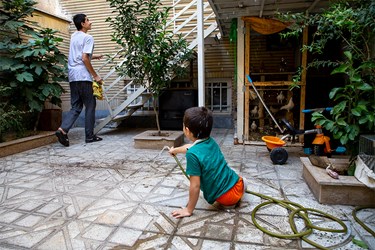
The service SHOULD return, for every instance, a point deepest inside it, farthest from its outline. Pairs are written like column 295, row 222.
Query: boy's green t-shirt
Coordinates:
column 206, row 160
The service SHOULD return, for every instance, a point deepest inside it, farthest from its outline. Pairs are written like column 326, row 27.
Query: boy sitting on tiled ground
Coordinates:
column 206, row 165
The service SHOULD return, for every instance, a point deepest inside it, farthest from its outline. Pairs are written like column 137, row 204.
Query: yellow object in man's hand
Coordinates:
column 98, row 90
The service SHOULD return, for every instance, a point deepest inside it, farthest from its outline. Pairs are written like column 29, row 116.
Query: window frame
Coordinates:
column 223, row 109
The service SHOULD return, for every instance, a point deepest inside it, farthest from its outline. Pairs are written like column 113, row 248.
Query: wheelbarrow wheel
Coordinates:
column 279, row 155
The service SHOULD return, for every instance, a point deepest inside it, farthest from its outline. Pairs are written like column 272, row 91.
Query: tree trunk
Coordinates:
column 156, row 115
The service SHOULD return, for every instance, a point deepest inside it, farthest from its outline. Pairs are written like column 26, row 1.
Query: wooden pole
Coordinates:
column 303, row 83
column 247, row 88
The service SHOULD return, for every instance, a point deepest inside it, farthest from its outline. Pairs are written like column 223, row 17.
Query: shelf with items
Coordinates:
column 270, row 61
column 280, row 101
column 266, row 78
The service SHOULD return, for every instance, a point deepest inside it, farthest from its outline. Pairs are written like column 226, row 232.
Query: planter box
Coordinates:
column 27, row 143
column 50, row 119
column 346, row 190
column 150, row 140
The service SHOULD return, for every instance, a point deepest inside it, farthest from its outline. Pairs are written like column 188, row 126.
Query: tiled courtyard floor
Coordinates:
column 109, row 195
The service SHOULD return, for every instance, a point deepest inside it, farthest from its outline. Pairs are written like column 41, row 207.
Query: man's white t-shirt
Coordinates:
column 80, row 43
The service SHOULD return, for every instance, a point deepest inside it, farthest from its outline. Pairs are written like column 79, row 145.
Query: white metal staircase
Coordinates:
column 123, row 101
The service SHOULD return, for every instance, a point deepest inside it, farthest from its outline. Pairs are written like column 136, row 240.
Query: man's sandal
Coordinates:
column 94, row 139
column 63, row 138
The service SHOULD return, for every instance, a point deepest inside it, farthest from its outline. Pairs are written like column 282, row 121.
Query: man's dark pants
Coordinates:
column 81, row 94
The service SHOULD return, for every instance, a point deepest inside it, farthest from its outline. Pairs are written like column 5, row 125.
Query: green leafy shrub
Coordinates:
column 351, row 24
column 31, row 69
column 10, row 117
column 354, row 112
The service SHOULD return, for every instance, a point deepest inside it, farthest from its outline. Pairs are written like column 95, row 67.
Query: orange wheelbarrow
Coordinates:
column 275, row 146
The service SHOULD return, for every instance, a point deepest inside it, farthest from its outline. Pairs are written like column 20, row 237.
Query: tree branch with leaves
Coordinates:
column 351, row 24
column 152, row 53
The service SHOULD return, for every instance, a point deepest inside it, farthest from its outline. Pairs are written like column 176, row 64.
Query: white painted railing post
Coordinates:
column 201, row 84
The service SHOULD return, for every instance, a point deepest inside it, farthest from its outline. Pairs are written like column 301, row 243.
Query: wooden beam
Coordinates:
column 312, row 6
column 274, row 83
column 303, row 81
column 247, row 89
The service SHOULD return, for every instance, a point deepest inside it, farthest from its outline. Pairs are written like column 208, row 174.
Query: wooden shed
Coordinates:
column 268, row 60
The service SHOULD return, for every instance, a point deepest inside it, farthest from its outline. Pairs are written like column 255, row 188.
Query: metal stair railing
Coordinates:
column 119, row 109
column 189, row 16
column 124, row 105
column 207, row 32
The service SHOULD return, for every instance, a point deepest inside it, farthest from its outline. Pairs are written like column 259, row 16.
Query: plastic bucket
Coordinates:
column 273, row 141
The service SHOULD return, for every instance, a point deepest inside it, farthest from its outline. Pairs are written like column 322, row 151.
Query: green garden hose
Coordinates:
column 296, row 209
column 354, row 214
column 301, row 211
column 182, row 169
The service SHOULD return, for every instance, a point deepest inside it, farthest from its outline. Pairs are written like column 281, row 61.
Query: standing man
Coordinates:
column 81, row 75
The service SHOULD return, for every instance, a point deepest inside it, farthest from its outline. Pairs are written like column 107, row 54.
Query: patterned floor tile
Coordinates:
column 109, row 195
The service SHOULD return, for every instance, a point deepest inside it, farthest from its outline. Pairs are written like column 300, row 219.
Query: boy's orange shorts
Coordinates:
column 233, row 195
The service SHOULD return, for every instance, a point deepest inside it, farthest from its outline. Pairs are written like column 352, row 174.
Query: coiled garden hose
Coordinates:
column 296, row 209
column 301, row 211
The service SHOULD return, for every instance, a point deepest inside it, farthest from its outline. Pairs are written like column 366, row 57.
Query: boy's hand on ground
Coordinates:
column 181, row 213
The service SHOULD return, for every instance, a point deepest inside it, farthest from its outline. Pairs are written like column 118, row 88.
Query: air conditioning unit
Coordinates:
column 367, row 144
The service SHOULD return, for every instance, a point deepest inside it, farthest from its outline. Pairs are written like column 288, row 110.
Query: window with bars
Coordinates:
column 218, row 96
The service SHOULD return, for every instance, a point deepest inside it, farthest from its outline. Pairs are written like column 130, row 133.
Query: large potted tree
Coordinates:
column 153, row 53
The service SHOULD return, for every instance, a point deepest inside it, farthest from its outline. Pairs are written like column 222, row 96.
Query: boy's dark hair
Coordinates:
column 199, row 121
column 78, row 19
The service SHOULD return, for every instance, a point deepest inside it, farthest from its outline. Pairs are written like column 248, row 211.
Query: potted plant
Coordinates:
column 31, row 69
column 153, row 54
